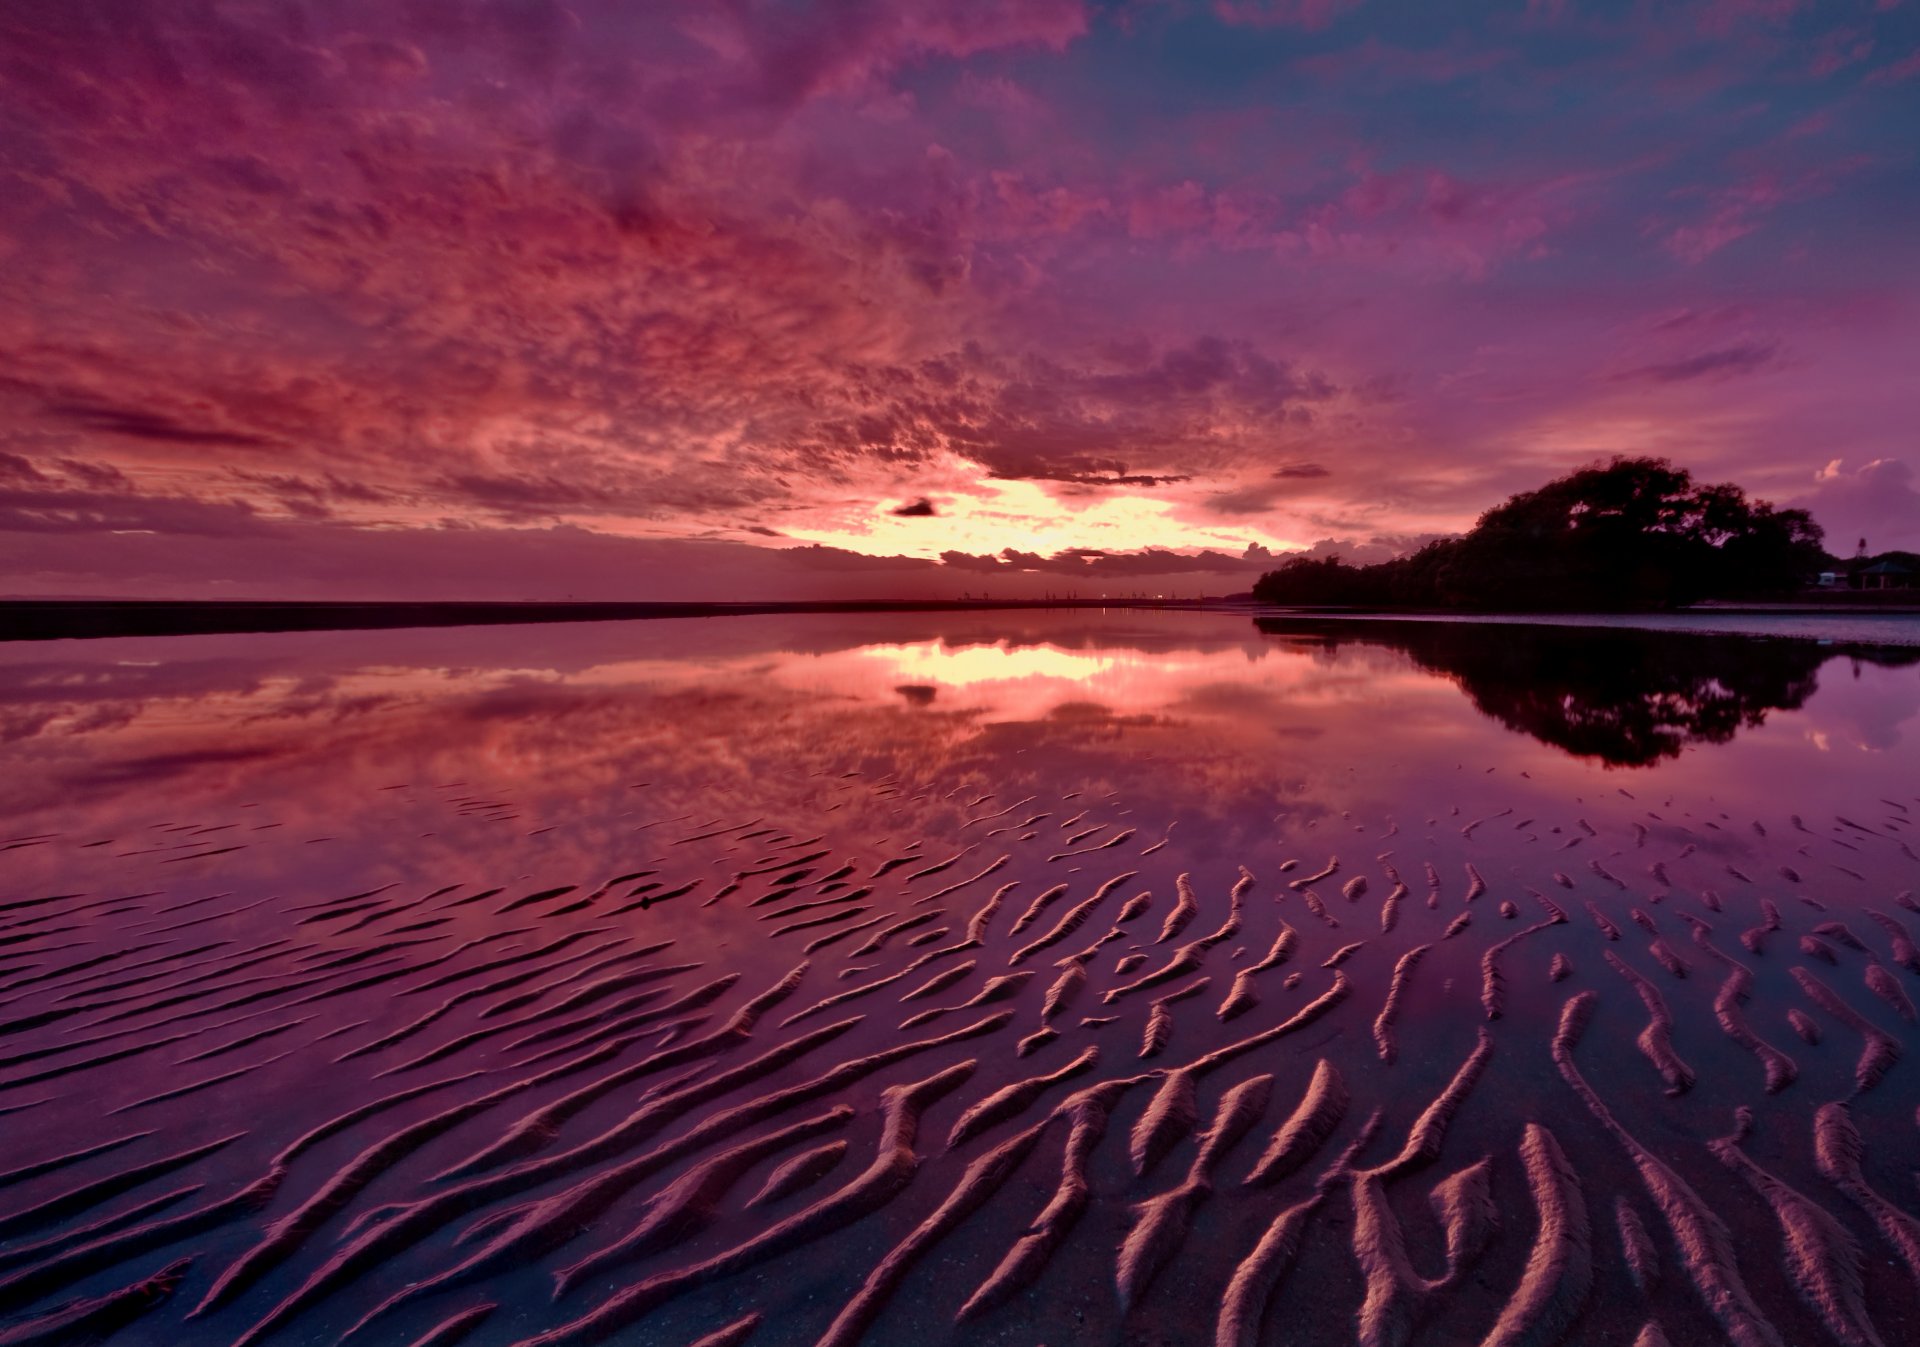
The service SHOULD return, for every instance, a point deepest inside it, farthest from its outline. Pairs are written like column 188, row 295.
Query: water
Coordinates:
column 240, row 880
column 1834, row 627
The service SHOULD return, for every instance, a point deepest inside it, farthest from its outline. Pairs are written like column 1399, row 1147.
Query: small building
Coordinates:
column 1886, row 575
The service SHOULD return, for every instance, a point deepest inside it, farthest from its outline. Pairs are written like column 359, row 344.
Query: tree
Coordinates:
column 1631, row 533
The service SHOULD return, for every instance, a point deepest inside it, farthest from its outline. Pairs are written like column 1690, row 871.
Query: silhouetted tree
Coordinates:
column 1632, row 533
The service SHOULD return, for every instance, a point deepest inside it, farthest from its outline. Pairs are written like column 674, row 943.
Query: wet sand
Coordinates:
column 832, row 1050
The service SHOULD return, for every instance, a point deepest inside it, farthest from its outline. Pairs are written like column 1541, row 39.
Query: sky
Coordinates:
column 769, row 299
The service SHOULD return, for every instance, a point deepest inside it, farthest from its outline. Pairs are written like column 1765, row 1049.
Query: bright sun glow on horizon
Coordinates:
column 994, row 516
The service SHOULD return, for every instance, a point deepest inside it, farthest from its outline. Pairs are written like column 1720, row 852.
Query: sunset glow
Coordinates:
column 685, row 301
column 842, row 673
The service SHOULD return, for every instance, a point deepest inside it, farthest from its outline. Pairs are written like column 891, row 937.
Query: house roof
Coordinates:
column 1887, row 568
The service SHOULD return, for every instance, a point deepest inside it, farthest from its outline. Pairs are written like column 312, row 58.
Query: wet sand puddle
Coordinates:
column 1616, row 1067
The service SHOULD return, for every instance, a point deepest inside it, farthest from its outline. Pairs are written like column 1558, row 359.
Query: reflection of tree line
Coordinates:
column 1629, row 698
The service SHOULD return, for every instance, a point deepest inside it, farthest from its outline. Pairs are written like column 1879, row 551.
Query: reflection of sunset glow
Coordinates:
column 1031, row 682
column 932, row 662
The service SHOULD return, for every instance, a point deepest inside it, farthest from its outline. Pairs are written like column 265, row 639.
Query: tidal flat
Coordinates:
column 963, row 978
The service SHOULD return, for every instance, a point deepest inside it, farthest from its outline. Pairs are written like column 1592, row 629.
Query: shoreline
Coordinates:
column 1878, row 627
column 100, row 619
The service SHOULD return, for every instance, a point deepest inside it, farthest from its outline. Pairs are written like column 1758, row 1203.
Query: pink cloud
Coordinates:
column 1740, row 208
column 1878, row 501
column 1906, row 68
column 1839, row 49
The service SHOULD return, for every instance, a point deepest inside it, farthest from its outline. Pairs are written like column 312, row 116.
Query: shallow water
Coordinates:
column 1865, row 627
column 245, row 893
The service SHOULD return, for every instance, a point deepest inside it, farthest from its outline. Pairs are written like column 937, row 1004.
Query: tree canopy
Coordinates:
column 1630, row 533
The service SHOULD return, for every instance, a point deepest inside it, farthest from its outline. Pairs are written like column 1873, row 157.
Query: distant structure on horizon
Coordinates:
column 1887, row 574
column 1888, row 570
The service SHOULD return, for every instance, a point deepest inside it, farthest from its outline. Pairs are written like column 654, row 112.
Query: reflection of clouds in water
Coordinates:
column 1863, row 707
column 139, row 712
column 1174, row 710
column 1028, row 681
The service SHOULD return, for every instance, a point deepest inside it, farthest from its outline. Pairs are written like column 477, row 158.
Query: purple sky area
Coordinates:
column 744, row 298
